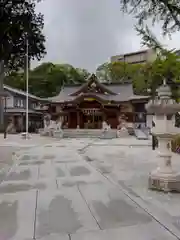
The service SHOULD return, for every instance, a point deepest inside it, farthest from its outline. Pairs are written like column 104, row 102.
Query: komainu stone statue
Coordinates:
column 122, row 130
column 59, row 125
column 106, row 130
column 58, row 132
column 47, row 120
column 46, row 131
column 105, row 126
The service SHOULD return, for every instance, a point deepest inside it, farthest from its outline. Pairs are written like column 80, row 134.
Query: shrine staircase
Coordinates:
column 88, row 133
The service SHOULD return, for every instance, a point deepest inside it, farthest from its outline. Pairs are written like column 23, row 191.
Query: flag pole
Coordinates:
column 27, row 87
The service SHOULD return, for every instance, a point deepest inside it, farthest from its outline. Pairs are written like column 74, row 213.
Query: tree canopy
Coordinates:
column 19, row 22
column 47, row 79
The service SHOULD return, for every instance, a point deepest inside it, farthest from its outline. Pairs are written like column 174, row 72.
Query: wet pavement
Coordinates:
column 81, row 190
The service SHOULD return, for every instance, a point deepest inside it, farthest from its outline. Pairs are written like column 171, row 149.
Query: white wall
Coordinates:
column 10, row 102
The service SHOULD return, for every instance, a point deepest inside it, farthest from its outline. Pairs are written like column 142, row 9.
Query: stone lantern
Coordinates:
column 164, row 108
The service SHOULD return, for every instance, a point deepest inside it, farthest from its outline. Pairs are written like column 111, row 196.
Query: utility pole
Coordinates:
column 2, row 75
column 27, row 86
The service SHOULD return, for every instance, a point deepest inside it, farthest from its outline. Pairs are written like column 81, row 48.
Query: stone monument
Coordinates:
column 164, row 178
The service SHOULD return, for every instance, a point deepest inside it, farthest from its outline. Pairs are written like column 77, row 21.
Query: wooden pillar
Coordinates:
column 78, row 120
column 21, row 122
column 69, row 121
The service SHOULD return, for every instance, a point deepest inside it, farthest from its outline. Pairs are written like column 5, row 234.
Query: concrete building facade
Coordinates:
column 142, row 56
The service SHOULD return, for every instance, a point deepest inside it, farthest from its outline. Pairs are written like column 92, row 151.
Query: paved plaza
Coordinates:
column 85, row 189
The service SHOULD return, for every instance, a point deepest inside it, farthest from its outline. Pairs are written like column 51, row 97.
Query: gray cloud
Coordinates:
column 85, row 33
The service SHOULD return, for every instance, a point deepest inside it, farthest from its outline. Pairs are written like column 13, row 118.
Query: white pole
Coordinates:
column 27, row 87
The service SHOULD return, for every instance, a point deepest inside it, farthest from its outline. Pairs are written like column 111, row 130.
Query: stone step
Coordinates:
column 92, row 133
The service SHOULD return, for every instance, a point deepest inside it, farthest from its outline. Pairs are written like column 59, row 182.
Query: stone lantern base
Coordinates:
column 164, row 181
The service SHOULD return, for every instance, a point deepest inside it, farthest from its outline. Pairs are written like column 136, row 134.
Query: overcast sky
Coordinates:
column 85, row 33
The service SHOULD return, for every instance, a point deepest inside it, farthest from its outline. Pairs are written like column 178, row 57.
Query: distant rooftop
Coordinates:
column 19, row 91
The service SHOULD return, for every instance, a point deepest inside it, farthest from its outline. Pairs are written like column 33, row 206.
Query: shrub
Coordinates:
column 175, row 143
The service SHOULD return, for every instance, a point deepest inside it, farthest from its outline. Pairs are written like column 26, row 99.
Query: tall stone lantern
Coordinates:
column 164, row 108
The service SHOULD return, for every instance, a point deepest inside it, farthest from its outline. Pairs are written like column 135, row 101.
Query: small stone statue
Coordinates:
column 122, row 127
column 47, row 120
column 105, row 126
column 57, row 131
column 59, row 125
column 106, row 133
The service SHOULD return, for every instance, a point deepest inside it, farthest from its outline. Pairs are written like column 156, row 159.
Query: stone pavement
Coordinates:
column 56, row 192
column 128, row 167
column 17, row 141
column 14, row 143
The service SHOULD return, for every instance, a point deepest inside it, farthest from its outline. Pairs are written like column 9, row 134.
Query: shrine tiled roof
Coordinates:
column 116, row 92
column 122, row 93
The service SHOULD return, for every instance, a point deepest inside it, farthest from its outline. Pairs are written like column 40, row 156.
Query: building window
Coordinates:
column 17, row 102
column 34, row 105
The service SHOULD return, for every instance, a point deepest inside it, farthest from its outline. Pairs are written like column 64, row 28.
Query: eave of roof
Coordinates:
column 20, row 92
column 21, row 110
column 102, row 97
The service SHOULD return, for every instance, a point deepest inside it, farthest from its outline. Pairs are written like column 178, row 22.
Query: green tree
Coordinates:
column 112, row 72
column 47, row 79
column 151, row 75
column 117, row 71
column 103, row 72
column 19, row 23
column 83, row 74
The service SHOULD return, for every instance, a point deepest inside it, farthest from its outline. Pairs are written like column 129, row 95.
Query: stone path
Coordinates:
column 54, row 192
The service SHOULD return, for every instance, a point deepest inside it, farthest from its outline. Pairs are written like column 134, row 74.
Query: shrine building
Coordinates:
column 87, row 105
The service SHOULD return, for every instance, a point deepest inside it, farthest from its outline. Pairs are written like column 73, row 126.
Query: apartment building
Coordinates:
column 142, row 56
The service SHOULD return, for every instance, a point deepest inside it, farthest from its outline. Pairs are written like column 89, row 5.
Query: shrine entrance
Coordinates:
column 91, row 114
column 92, row 118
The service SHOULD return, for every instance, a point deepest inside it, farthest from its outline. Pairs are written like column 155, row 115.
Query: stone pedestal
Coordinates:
column 164, row 177
column 167, row 182
column 122, row 133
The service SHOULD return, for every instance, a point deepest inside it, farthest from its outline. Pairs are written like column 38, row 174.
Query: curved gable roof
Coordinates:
column 93, row 79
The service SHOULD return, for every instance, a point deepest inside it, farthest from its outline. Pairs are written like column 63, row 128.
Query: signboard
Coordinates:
column 89, row 99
